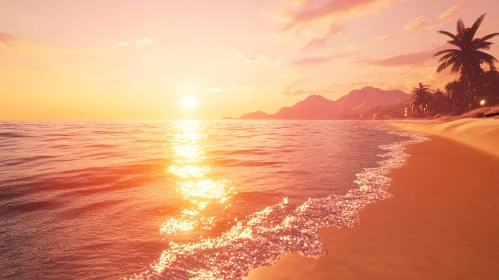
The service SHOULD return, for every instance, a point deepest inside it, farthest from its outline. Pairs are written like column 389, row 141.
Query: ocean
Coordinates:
column 182, row 199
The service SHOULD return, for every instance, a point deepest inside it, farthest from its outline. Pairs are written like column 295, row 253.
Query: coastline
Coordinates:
column 440, row 224
column 481, row 134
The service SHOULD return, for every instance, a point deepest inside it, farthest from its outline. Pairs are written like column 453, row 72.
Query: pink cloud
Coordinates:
column 351, row 51
column 6, row 39
column 461, row 7
column 292, row 91
column 308, row 11
column 416, row 24
column 334, row 29
column 15, row 44
column 311, row 61
column 275, row 64
column 315, row 43
column 423, row 22
column 398, row 60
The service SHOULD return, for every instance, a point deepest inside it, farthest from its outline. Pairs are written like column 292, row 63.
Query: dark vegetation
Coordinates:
column 474, row 88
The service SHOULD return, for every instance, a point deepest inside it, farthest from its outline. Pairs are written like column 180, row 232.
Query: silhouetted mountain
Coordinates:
column 351, row 106
column 314, row 107
column 258, row 115
column 369, row 97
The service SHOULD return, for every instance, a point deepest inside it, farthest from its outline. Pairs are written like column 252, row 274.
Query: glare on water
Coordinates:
column 155, row 200
column 194, row 184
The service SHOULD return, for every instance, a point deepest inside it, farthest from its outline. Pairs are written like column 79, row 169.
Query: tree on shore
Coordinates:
column 489, row 87
column 421, row 99
column 439, row 103
column 459, row 95
column 468, row 57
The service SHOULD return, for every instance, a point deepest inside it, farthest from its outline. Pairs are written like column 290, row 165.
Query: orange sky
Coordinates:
column 128, row 59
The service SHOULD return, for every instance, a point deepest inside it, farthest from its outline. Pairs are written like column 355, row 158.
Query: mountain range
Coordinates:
column 359, row 104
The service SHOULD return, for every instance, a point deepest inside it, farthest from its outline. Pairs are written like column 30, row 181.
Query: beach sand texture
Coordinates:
column 481, row 134
column 442, row 223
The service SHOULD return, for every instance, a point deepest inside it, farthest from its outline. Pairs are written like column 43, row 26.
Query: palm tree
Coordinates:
column 469, row 55
column 439, row 102
column 489, row 87
column 421, row 99
column 458, row 94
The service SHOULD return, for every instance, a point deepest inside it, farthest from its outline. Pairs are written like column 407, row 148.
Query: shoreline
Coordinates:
column 481, row 134
column 440, row 224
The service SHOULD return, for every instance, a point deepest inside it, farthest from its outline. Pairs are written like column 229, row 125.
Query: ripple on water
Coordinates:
column 264, row 237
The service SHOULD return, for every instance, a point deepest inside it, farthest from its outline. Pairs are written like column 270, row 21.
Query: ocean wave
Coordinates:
column 28, row 207
column 12, row 135
column 265, row 236
column 19, row 161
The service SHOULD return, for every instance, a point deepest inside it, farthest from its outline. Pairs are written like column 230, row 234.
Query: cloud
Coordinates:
column 238, row 88
column 311, row 61
column 145, row 41
column 15, row 44
column 140, row 42
column 275, row 64
column 334, row 29
column 247, row 58
column 292, row 76
column 6, row 39
column 461, row 7
column 315, row 43
column 289, row 90
column 351, row 50
column 187, row 87
column 297, row 13
column 213, row 89
column 399, row 60
column 422, row 22
column 122, row 44
column 358, row 48
column 418, row 23
column 378, row 39
column 228, row 88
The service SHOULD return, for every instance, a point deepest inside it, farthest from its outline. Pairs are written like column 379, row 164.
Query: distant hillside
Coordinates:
column 258, row 115
column 369, row 97
column 314, row 107
column 356, row 105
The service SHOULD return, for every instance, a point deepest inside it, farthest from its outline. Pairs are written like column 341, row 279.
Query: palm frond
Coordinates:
column 446, row 57
column 482, row 45
column 488, row 37
column 457, row 43
column 486, row 58
column 444, row 65
column 456, row 67
column 476, row 25
column 452, row 36
column 445, row 52
column 461, row 28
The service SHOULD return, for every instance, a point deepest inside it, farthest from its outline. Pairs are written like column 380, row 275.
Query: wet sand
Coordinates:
column 442, row 223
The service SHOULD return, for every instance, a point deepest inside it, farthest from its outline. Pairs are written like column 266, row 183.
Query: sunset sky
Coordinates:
column 131, row 59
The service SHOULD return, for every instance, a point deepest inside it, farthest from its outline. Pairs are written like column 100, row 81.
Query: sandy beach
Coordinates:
column 442, row 222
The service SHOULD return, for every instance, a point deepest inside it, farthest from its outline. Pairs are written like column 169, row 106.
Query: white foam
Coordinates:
column 264, row 237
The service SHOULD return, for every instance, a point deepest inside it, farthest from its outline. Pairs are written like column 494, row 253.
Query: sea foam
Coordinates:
column 264, row 237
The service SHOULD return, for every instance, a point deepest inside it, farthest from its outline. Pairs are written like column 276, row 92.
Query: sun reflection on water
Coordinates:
column 194, row 184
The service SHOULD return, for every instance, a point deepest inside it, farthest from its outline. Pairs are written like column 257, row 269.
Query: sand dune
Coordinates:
column 481, row 134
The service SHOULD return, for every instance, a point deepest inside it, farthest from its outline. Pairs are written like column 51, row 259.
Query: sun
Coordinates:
column 189, row 102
